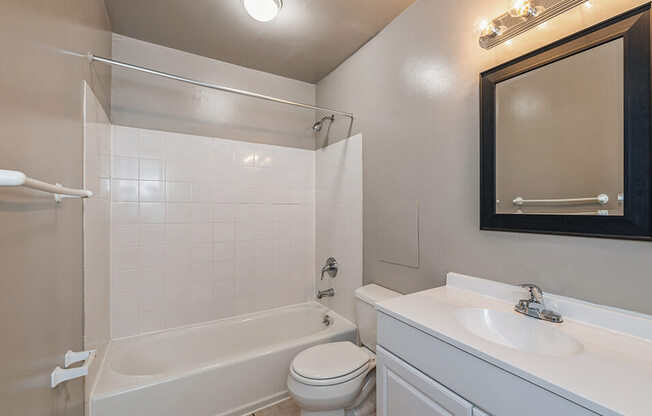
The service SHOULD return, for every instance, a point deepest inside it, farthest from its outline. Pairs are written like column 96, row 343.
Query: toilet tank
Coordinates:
column 366, row 298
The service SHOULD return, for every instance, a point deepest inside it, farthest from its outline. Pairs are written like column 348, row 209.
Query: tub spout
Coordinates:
column 326, row 293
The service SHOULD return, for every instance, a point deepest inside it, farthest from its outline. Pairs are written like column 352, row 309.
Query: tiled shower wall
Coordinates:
column 339, row 221
column 205, row 228
column 97, row 231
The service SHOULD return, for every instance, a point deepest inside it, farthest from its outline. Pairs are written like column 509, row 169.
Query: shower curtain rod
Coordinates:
column 213, row 86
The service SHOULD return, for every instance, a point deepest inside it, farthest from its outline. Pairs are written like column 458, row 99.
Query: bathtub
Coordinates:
column 228, row 367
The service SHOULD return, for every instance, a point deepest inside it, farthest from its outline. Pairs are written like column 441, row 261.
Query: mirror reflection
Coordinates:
column 559, row 136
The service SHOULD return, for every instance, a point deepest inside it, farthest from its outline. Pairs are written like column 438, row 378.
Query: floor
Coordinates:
column 290, row 408
column 284, row 408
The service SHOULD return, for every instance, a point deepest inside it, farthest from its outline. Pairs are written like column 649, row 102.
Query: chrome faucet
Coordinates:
column 326, row 293
column 535, row 306
column 330, row 268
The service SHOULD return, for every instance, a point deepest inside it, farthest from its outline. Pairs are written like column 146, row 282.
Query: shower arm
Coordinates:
column 94, row 58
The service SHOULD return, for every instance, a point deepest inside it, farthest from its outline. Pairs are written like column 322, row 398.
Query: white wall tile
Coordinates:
column 177, row 146
column 151, row 321
column 178, row 170
column 206, row 228
column 152, row 235
column 125, row 168
column 152, row 169
column 152, row 191
column 124, row 213
column 124, row 190
column 97, row 169
column 338, row 221
column 152, row 144
column 177, row 234
column 178, row 191
column 177, row 213
column 125, row 141
column 152, row 212
column 124, row 236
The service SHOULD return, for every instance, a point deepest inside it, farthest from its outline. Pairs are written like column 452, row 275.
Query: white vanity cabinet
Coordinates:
column 403, row 390
column 421, row 375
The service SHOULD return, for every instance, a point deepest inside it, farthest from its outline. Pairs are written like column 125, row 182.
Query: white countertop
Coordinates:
column 611, row 375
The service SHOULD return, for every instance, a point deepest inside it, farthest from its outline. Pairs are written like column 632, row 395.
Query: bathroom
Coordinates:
column 316, row 208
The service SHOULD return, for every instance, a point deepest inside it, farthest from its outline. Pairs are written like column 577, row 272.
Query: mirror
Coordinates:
column 565, row 135
column 559, row 136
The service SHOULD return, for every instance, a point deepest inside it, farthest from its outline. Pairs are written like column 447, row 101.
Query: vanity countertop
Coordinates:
column 604, row 357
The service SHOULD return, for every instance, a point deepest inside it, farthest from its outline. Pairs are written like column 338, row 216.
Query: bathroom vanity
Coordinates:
column 461, row 349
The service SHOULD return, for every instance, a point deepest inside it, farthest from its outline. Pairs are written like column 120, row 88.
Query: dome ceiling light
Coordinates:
column 263, row 10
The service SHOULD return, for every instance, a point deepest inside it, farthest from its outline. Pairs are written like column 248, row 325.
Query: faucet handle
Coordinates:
column 536, row 294
column 330, row 268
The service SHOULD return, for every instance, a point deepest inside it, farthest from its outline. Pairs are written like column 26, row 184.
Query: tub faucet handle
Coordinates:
column 330, row 268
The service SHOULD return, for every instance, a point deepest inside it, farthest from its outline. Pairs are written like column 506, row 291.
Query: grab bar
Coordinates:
column 17, row 178
column 598, row 212
column 59, row 375
column 600, row 199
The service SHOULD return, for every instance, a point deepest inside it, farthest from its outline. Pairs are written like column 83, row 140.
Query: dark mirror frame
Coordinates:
column 634, row 28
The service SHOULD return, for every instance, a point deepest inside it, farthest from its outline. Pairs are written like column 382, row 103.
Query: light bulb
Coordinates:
column 263, row 10
column 522, row 8
column 484, row 27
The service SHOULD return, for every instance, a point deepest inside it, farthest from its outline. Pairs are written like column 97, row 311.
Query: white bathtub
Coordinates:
column 228, row 367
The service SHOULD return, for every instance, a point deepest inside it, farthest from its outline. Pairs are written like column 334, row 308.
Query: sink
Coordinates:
column 518, row 332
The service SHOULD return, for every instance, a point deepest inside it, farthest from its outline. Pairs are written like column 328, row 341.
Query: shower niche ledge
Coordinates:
column 461, row 349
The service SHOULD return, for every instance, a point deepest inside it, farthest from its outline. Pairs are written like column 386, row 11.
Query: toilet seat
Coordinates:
column 330, row 364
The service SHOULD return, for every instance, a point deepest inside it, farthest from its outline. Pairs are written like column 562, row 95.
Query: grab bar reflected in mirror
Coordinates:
column 600, row 199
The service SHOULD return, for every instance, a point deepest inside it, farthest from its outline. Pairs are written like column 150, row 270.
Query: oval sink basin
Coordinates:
column 518, row 332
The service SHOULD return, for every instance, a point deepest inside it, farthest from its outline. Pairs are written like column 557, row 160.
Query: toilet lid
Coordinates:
column 330, row 361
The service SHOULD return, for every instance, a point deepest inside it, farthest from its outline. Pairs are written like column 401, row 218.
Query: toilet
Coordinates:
column 334, row 379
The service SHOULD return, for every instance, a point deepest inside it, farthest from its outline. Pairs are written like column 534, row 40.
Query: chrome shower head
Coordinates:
column 318, row 125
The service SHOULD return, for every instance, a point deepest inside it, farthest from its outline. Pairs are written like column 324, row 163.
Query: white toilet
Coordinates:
column 334, row 379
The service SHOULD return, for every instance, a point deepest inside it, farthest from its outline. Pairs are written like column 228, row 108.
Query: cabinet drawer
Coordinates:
column 403, row 391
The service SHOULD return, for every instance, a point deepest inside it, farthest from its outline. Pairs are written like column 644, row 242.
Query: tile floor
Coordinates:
column 285, row 408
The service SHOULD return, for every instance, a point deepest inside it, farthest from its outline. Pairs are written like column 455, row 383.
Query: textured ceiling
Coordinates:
column 306, row 41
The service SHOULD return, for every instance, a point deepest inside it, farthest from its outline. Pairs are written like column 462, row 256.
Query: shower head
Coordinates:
column 318, row 125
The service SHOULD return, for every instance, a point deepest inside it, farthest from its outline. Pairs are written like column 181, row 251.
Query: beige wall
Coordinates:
column 146, row 101
column 41, row 102
column 414, row 90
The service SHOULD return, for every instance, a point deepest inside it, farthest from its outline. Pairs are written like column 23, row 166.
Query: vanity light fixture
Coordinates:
column 263, row 10
column 521, row 16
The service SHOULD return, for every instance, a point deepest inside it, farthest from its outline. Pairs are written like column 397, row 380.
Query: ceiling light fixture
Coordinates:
column 521, row 16
column 263, row 10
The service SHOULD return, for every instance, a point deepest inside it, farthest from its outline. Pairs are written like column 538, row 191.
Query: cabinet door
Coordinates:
column 405, row 391
column 478, row 412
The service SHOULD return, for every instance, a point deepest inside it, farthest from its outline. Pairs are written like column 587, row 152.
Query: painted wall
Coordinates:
column 206, row 228
column 338, row 204
column 97, row 232
column 414, row 91
column 146, row 101
column 41, row 105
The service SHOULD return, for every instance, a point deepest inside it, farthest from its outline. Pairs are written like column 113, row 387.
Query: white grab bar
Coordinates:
column 600, row 199
column 598, row 212
column 59, row 375
column 17, row 178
